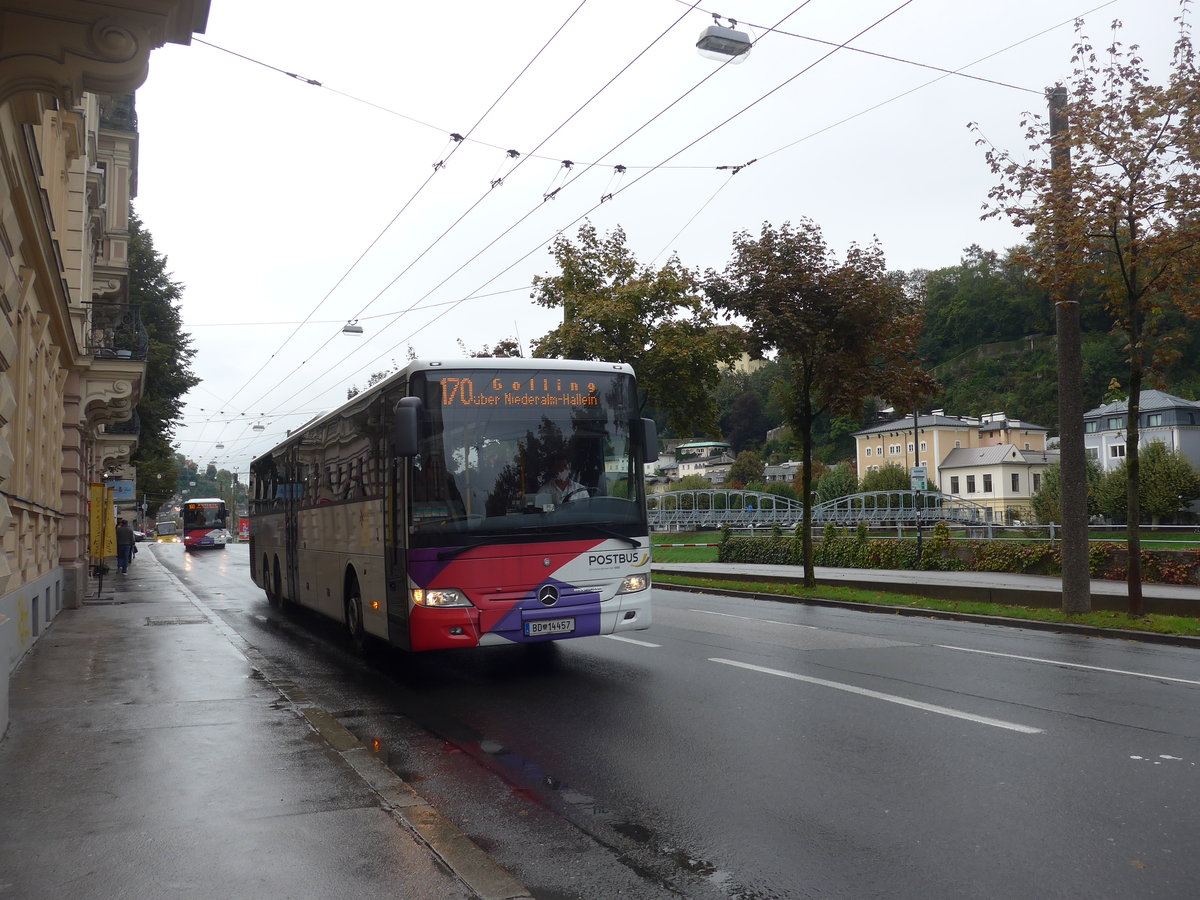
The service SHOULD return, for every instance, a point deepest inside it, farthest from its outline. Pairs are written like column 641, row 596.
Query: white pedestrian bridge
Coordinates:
column 703, row 509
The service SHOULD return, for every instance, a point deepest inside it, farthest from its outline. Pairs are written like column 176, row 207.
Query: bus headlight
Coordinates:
column 634, row 583
column 440, row 597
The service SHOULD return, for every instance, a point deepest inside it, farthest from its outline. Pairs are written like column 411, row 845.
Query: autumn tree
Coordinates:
column 616, row 309
column 1122, row 211
column 844, row 331
column 169, row 374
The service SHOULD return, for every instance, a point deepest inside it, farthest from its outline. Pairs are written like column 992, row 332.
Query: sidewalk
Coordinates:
column 152, row 754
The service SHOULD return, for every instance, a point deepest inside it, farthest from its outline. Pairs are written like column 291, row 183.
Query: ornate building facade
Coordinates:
column 72, row 349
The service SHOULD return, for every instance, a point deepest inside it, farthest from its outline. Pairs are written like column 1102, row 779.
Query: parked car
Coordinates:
column 139, row 536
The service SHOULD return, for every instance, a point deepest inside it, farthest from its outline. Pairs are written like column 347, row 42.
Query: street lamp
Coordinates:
column 724, row 44
column 352, row 327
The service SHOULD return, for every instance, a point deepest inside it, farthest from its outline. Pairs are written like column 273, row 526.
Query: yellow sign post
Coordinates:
column 102, row 522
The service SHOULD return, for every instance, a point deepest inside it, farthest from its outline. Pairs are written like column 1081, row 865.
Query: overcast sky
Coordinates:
column 287, row 209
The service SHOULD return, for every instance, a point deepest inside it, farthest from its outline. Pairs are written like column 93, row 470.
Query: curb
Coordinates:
column 917, row 612
column 478, row 871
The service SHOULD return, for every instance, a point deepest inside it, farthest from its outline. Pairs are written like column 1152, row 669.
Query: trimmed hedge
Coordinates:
column 838, row 548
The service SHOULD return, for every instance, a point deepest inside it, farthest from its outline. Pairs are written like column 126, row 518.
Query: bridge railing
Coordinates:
column 703, row 509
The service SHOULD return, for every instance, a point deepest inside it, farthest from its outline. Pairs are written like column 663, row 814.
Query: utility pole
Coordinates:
column 1076, row 584
column 917, row 504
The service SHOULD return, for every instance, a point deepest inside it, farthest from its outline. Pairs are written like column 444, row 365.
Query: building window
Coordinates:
column 1037, row 482
column 987, row 484
column 957, row 445
column 1091, row 427
column 868, row 451
column 970, row 484
column 1016, row 483
column 924, row 448
column 1026, row 446
column 910, row 447
column 1154, row 419
column 1092, row 452
column 1116, row 451
column 954, row 484
column 1116, row 422
column 879, row 450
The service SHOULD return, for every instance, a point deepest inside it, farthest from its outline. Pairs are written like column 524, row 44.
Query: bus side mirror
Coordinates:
column 649, row 440
column 406, row 427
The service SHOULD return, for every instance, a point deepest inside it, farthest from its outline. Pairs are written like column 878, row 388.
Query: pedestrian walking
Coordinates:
column 124, row 546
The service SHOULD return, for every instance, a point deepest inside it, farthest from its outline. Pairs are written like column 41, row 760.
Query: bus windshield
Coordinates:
column 509, row 453
column 204, row 514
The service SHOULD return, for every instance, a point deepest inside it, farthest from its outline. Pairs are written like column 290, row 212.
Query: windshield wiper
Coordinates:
column 608, row 532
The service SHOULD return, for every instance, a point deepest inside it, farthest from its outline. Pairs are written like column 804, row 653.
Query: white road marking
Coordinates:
column 890, row 698
column 1070, row 665
column 617, row 637
column 709, row 612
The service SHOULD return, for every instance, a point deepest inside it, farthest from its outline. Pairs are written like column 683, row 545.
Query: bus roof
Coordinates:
column 203, row 500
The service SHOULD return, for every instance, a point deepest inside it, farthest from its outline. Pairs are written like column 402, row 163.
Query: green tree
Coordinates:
column 616, row 309
column 691, row 483
column 1121, row 212
column 507, row 347
column 886, row 478
column 168, row 366
column 743, row 424
column 1169, row 484
column 840, row 481
column 984, row 299
column 746, row 468
column 845, row 331
column 1046, row 502
column 781, row 489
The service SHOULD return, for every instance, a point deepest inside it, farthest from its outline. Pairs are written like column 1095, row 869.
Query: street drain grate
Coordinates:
column 176, row 620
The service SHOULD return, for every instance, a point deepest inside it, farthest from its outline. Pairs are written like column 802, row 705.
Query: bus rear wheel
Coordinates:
column 272, row 584
column 354, row 616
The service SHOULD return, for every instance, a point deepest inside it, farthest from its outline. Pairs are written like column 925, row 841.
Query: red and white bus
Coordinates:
column 464, row 503
column 204, row 523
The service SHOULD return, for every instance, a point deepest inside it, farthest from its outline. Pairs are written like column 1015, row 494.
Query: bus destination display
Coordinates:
column 511, row 391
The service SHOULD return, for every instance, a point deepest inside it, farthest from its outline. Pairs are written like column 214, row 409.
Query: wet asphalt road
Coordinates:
column 761, row 750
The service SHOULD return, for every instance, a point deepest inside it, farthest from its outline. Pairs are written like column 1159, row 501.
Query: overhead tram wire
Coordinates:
column 339, row 321
column 626, row 187
column 437, row 167
column 487, row 193
column 946, row 74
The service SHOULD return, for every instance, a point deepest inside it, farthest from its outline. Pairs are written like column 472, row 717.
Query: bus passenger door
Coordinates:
column 396, row 551
column 291, row 530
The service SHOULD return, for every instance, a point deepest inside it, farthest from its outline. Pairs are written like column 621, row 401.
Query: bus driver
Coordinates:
column 561, row 487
